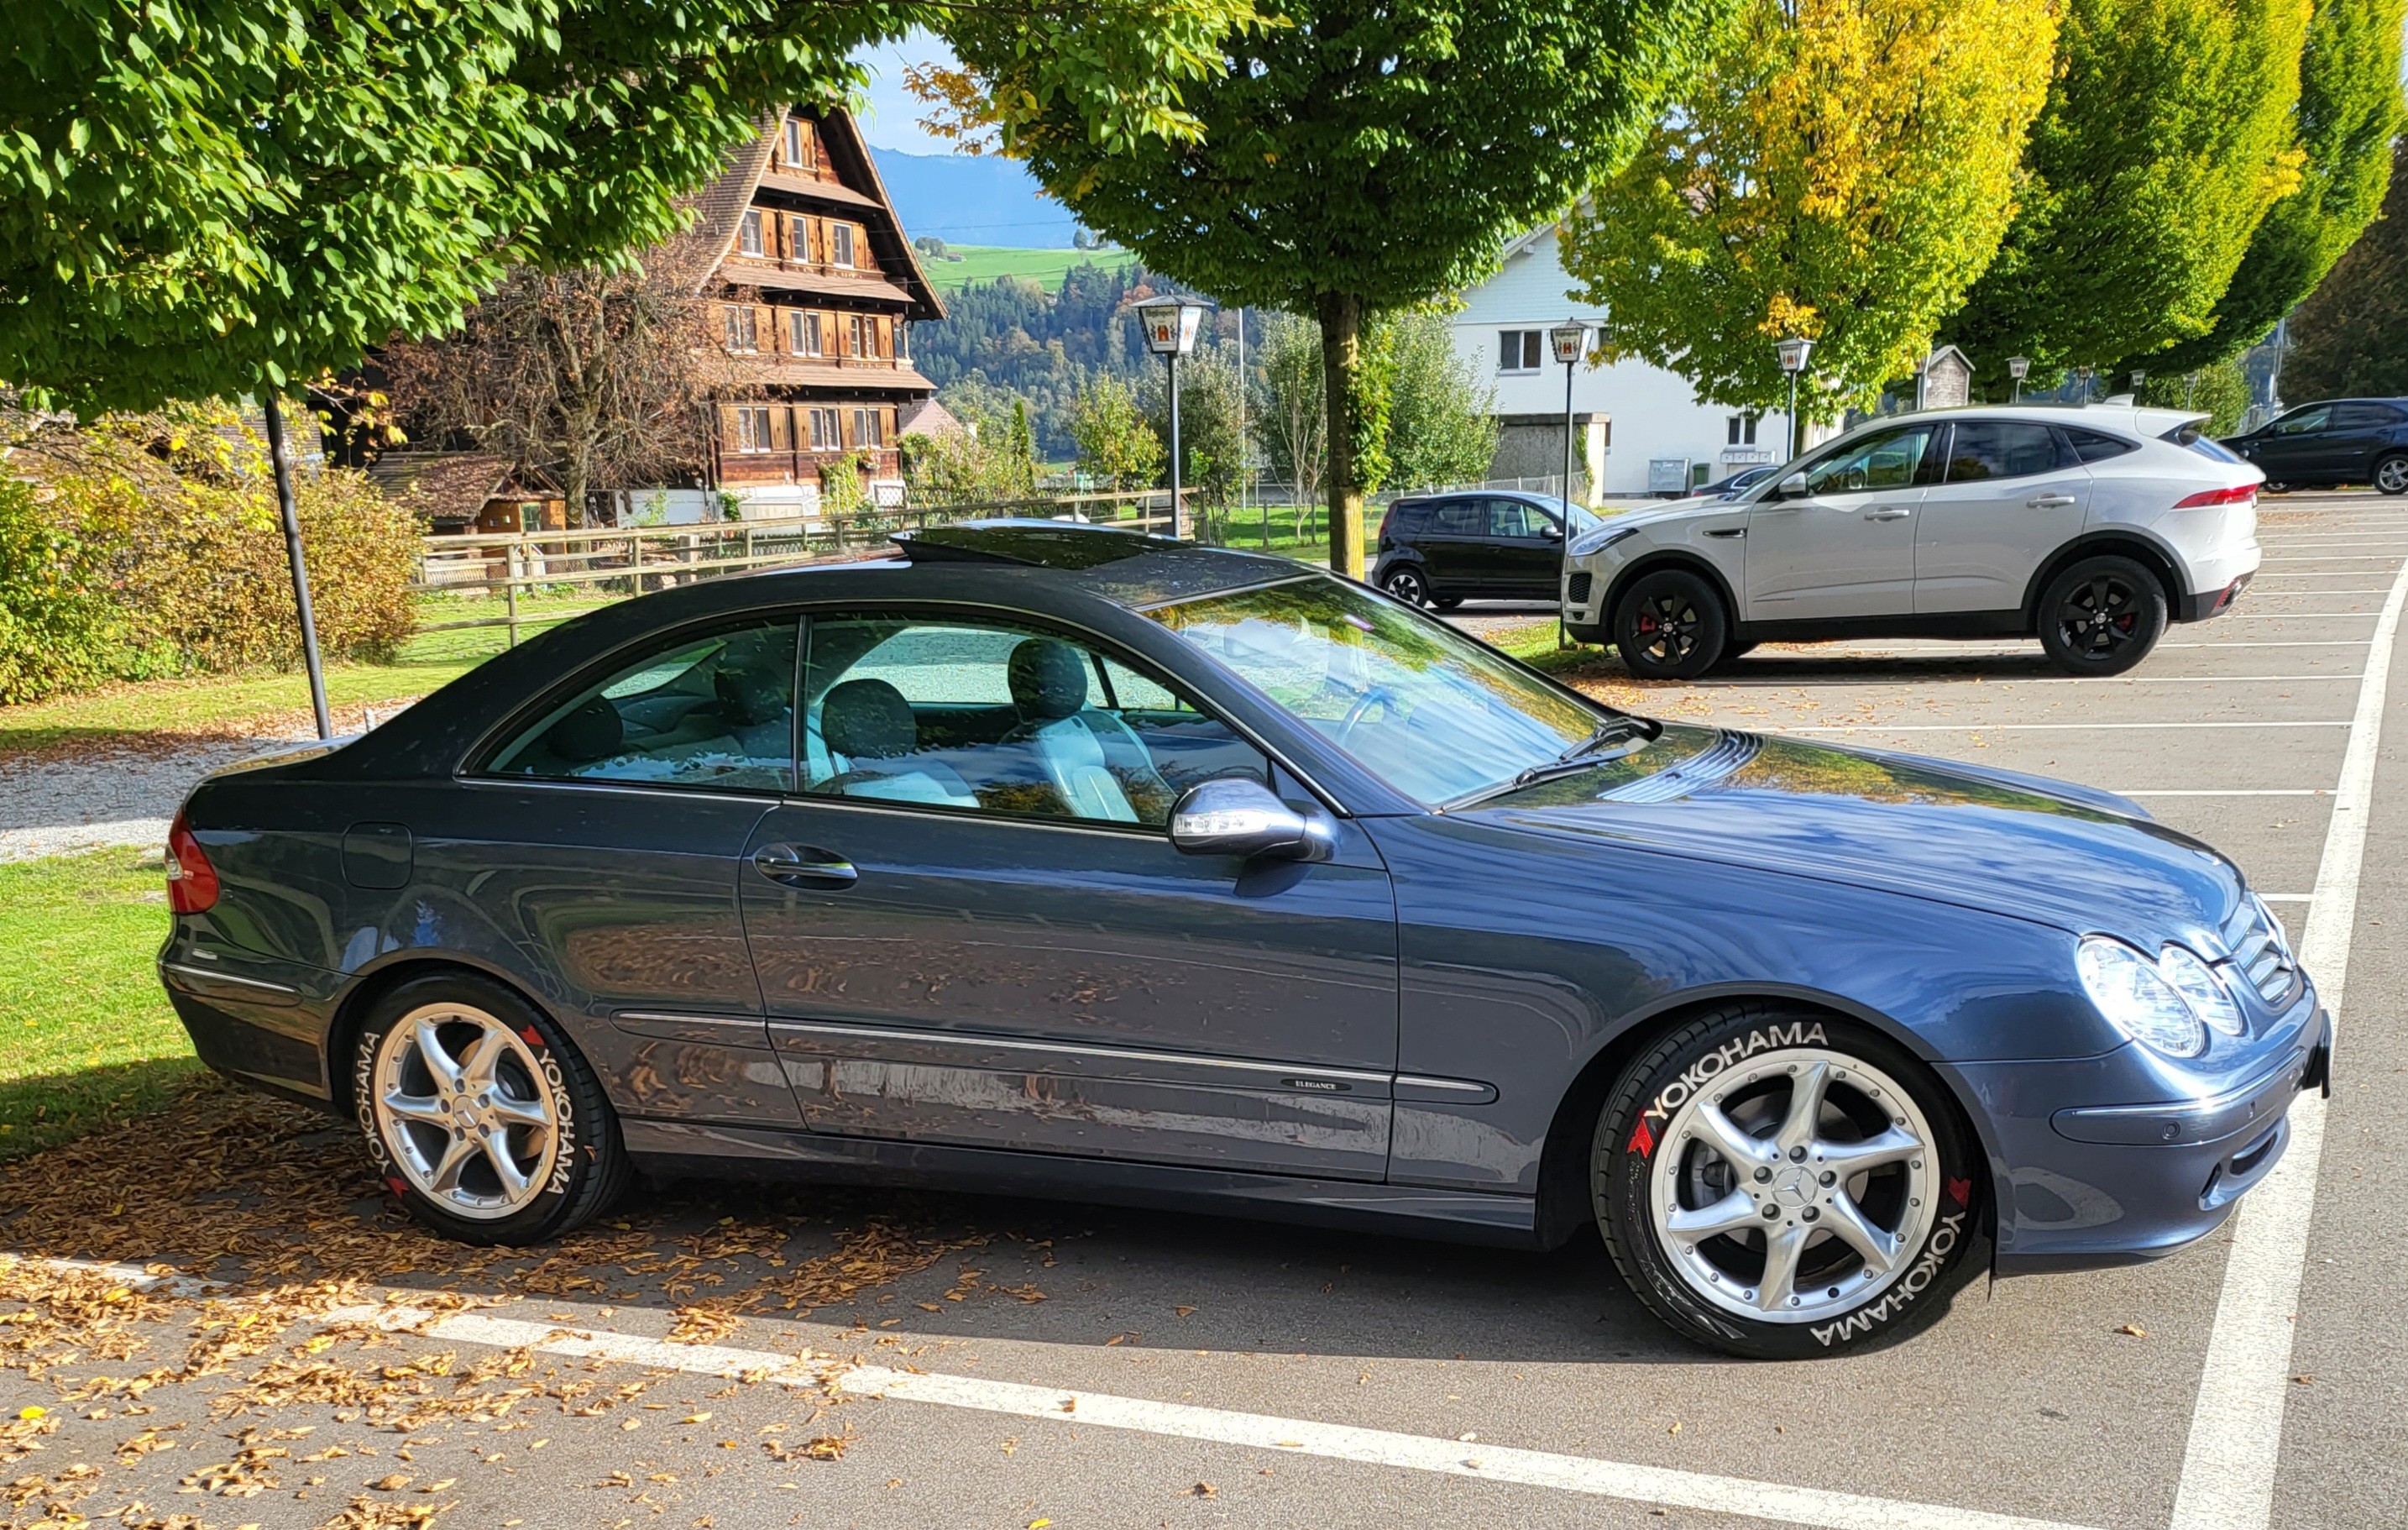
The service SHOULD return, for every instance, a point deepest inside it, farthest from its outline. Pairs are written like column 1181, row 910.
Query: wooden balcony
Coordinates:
column 803, row 467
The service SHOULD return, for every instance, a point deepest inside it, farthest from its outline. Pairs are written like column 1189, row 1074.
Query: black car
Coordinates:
column 1735, row 485
column 1447, row 548
column 2340, row 440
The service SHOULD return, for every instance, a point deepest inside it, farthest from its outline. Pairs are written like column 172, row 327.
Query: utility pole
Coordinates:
column 281, row 454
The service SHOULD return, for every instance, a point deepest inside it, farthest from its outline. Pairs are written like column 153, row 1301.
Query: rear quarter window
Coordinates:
column 2096, row 446
column 2188, row 434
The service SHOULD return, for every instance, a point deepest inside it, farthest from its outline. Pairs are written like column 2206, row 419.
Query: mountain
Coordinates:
column 972, row 199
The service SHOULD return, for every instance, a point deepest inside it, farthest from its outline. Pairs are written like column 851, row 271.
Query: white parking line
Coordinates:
column 2273, row 643
column 1179, row 1421
column 2029, row 727
column 2236, row 1426
column 2254, row 791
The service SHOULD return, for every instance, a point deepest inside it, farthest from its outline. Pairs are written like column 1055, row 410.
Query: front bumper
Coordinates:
column 2101, row 1181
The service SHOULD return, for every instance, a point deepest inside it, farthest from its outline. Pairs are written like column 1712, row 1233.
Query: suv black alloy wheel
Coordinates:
column 2102, row 615
column 1670, row 625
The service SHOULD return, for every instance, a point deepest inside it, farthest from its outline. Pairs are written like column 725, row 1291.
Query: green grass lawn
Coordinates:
column 86, row 1036
column 985, row 262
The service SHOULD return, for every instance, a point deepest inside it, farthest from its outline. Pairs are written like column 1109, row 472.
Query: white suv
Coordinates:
column 2088, row 529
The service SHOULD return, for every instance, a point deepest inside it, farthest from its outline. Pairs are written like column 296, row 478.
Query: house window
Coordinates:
column 747, row 234
column 752, row 429
column 1742, row 430
column 803, row 332
column 824, row 435
column 1518, row 350
column 859, row 335
column 866, row 428
column 743, row 333
column 793, row 144
column 841, row 243
column 902, row 341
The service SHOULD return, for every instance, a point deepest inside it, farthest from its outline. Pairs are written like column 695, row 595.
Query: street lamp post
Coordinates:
column 1171, row 326
column 2139, row 376
column 1793, row 352
column 2018, row 368
column 1571, row 339
column 2083, row 376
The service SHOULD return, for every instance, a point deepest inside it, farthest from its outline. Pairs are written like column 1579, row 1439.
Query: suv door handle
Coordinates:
column 2049, row 502
column 1887, row 512
column 804, row 866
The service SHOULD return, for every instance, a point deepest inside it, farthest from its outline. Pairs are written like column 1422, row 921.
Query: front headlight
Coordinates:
column 2136, row 998
column 1598, row 539
column 2200, row 987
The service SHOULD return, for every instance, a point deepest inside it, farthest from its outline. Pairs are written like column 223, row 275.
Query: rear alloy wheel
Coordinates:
column 1407, row 584
column 1780, row 1184
column 2101, row 616
column 1670, row 627
column 479, row 1116
column 2391, row 474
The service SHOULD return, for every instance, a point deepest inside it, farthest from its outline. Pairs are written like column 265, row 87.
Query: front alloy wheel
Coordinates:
column 1407, row 586
column 2391, row 475
column 479, row 1116
column 1782, row 1184
column 1669, row 625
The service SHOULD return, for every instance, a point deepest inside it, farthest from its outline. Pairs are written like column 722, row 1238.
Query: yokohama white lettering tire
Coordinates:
column 1758, row 1122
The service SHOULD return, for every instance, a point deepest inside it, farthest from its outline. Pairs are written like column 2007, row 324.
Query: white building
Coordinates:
column 1639, row 429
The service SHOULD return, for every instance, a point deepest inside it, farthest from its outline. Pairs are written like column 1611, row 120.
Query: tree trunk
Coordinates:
column 1341, row 353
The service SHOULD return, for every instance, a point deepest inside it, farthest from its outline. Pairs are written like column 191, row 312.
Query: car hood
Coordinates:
column 2019, row 845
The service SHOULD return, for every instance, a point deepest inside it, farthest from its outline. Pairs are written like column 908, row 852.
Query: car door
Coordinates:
column 1453, row 545
column 1525, row 550
column 2288, row 450
column 2347, row 447
column 2009, row 493
column 604, row 838
column 971, row 928
column 1836, row 538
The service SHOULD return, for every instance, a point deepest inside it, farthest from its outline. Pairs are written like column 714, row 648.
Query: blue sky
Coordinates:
column 892, row 119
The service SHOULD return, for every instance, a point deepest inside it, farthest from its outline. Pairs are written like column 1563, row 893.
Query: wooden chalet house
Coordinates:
column 817, row 288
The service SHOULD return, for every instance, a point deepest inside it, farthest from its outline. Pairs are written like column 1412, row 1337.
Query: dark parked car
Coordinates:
column 1054, row 859
column 1484, row 544
column 1735, row 485
column 2341, row 441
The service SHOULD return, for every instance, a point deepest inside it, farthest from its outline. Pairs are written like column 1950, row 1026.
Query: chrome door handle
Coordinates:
column 1887, row 512
column 804, row 867
column 2050, row 501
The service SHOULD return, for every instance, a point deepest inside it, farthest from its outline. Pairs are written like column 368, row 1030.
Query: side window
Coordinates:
column 2362, row 417
column 1512, row 518
column 2090, row 446
column 714, row 710
column 1890, row 461
column 1458, row 518
column 1003, row 719
column 1999, row 448
column 2300, row 422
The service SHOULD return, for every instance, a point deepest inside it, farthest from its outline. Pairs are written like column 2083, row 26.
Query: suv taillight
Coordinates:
column 2239, row 494
column 191, row 881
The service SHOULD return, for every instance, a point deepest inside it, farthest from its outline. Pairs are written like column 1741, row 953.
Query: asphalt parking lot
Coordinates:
column 730, row 1357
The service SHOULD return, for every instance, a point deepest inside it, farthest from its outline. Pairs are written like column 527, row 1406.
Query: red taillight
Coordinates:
column 191, row 881
column 2239, row 494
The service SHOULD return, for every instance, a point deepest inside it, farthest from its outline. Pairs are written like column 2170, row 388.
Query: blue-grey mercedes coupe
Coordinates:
column 1060, row 860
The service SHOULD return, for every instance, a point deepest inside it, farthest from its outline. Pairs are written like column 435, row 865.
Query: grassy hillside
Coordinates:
column 985, row 262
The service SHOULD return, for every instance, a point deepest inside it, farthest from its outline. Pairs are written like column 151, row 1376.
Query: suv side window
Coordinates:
column 713, row 710
column 1458, row 518
column 995, row 717
column 1980, row 449
column 2363, row 416
column 1890, row 460
column 2091, row 446
column 1517, row 519
column 2300, row 422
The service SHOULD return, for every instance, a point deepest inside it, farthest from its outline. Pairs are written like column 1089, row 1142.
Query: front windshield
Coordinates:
column 1431, row 713
column 1582, row 520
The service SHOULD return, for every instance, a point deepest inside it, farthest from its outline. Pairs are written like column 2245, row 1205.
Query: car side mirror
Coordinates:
column 1240, row 816
column 1791, row 487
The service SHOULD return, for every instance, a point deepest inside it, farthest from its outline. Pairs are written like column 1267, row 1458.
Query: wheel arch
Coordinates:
column 1563, row 1196
column 2126, row 542
column 368, row 990
column 1668, row 558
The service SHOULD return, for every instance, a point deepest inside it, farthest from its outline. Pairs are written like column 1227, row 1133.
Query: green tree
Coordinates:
column 1208, row 424
column 1442, row 419
column 2349, row 112
column 2351, row 336
column 2219, row 390
column 1115, row 442
column 1844, row 170
column 2168, row 134
column 1358, row 156
column 1292, row 417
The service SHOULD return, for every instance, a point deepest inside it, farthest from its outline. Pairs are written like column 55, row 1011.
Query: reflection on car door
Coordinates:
column 2290, row 448
column 1526, row 553
column 1846, row 546
column 1453, row 545
column 971, row 928
column 2010, row 492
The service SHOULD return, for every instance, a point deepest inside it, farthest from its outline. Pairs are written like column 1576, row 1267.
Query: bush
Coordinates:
column 106, row 577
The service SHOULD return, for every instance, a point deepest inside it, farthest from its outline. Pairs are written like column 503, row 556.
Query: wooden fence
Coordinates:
column 618, row 562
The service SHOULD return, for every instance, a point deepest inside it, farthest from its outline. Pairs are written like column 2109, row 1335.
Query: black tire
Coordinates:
column 2391, row 474
column 2102, row 615
column 1446, row 602
column 1746, row 1056
column 1733, row 651
column 574, row 1180
column 1670, row 625
column 1408, row 584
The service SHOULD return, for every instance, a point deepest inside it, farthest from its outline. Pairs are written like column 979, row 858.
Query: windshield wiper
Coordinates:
column 1581, row 757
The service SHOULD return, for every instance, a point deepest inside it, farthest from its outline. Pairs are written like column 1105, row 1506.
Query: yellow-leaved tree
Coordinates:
column 1843, row 171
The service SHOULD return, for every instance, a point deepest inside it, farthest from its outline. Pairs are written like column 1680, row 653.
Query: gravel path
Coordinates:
column 50, row 807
